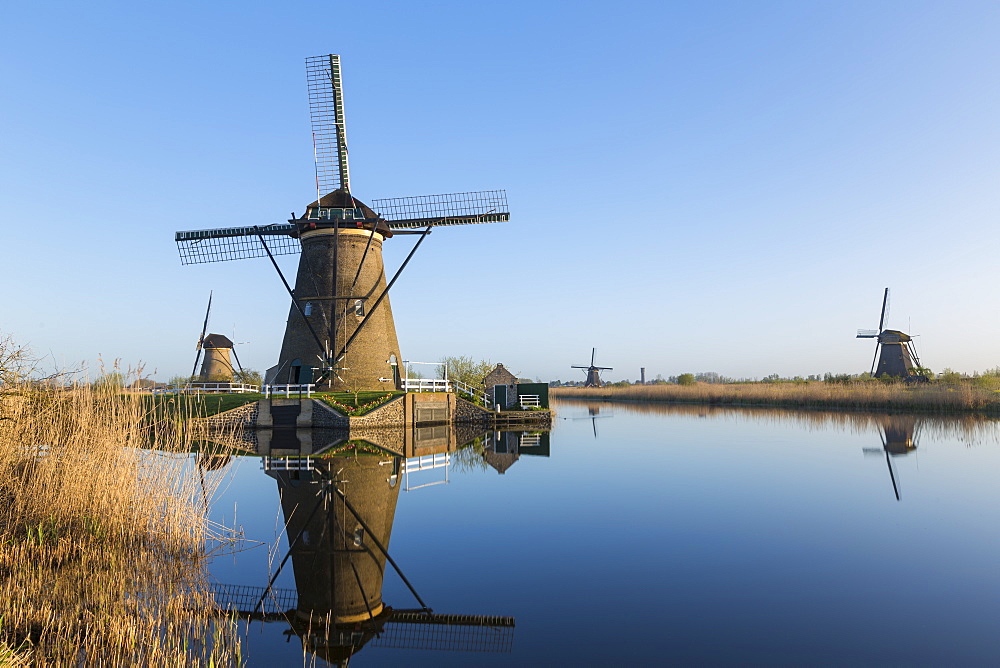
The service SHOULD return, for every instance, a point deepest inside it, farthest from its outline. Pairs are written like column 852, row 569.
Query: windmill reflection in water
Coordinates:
column 899, row 437
column 338, row 513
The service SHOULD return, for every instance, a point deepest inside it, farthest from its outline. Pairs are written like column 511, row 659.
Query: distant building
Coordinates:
column 145, row 385
column 507, row 391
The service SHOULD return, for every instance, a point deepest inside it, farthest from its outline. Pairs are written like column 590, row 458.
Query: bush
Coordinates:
column 685, row 379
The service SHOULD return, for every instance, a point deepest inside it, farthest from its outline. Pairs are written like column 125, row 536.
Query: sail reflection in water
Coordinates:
column 338, row 507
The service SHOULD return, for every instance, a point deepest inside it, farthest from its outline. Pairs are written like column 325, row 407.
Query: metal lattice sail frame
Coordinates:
column 235, row 243
column 326, row 112
column 239, row 243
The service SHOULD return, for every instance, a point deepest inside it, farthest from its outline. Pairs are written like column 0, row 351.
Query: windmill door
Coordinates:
column 500, row 396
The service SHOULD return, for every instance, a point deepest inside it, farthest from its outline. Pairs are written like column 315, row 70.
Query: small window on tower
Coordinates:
column 308, row 310
column 359, row 308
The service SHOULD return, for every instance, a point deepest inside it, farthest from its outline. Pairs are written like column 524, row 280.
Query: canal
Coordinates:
column 630, row 534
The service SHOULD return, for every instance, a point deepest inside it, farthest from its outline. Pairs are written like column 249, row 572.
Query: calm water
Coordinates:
column 640, row 535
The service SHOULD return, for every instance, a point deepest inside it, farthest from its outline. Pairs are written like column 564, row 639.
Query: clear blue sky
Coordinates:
column 694, row 186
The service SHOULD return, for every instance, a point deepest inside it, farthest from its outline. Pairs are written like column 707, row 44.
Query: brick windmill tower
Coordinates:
column 340, row 334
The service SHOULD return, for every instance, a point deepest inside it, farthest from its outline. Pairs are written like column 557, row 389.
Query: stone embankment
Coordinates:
column 408, row 410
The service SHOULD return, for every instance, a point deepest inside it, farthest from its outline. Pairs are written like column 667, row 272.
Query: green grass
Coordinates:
column 170, row 406
column 165, row 406
column 368, row 401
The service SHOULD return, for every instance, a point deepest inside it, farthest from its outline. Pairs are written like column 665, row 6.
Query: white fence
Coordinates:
column 426, row 385
column 445, row 385
column 289, row 390
column 441, row 460
column 529, row 400
column 208, row 388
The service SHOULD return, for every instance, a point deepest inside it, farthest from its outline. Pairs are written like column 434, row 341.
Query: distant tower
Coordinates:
column 642, row 376
column 216, row 365
column 593, row 372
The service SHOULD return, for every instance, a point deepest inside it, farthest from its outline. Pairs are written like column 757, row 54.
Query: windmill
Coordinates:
column 895, row 353
column 340, row 333
column 217, row 349
column 217, row 366
column 593, row 372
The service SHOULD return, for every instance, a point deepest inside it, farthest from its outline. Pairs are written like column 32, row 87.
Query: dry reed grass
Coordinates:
column 102, row 534
column 868, row 396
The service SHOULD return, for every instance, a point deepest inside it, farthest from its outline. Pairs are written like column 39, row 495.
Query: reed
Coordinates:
column 972, row 429
column 932, row 397
column 102, row 535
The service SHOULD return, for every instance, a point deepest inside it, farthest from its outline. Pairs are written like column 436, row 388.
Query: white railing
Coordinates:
column 208, row 388
column 286, row 464
column 426, row 385
column 529, row 400
column 444, row 385
column 530, row 441
column 474, row 392
column 426, row 463
column 289, row 390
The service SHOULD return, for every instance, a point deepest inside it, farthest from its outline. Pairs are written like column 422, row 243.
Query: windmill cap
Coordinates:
column 896, row 334
column 341, row 199
column 217, row 341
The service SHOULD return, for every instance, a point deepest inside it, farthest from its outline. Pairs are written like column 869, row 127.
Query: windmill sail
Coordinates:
column 235, row 243
column 486, row 206
column 326, row 110
column 240, row 243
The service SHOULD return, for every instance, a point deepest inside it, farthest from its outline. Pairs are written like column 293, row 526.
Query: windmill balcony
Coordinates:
column 325, row 213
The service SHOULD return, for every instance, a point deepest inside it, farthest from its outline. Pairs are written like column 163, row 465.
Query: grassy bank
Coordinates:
column 102, row 540
column 171, row 406
column 927, row 397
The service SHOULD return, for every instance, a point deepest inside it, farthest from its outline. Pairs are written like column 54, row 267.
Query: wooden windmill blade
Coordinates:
column 201, row 339
column 485, row 206
column 876, row 333
column 326, row 112
column 236, row 243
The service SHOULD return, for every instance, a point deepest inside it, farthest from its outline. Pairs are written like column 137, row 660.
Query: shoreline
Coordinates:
column 852, row 397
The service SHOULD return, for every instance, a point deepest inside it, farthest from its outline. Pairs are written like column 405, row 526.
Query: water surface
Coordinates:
column 645, row 533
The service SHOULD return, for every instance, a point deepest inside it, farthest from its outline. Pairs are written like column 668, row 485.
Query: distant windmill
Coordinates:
column 217, row 365
column 201, row 339
column 340, row 332
column 593, row 372
column 217, row 349
column 898, row 358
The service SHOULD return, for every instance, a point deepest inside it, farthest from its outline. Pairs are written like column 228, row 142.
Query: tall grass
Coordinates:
column 933, row 397
column 102, row 534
